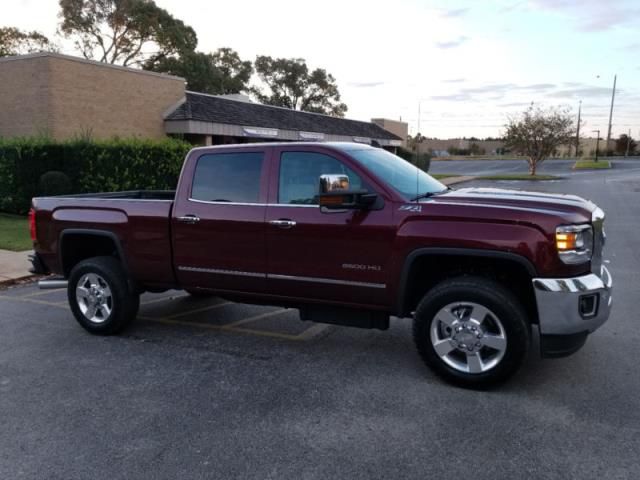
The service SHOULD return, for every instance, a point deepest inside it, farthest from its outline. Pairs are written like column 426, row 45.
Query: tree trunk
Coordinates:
column 532, row 166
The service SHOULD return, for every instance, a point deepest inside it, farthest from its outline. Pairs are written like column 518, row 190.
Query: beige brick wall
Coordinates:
column 24, row 98
column 67, row 97
column 396, row 127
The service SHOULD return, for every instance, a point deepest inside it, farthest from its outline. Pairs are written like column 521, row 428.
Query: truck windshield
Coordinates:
column 408, row 180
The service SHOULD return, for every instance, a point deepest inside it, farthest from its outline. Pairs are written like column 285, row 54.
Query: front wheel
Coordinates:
column 100, row 297
column 471, row 331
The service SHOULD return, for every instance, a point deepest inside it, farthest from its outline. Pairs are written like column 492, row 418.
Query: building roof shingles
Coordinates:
column 208, row 108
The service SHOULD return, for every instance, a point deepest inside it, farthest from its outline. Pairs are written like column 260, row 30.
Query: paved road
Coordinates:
column 208, row 389
column 494, row 167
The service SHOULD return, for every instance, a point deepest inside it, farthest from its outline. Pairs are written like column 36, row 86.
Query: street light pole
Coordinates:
column 597, row 143
column 613, row 96
column 578, row 131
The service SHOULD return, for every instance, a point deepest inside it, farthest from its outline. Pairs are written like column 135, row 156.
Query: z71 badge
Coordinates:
column 410, row 208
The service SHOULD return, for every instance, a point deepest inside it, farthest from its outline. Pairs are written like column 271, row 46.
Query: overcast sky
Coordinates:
column 468, row 63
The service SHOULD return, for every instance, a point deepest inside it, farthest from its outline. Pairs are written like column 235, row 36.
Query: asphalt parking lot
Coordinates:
column 211, row 389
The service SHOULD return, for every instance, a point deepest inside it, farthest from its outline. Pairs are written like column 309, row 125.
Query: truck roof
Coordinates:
column 346, row 146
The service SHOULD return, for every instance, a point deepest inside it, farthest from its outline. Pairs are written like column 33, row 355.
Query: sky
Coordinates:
column 466, row 66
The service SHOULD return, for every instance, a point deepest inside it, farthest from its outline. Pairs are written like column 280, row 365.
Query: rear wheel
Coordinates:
column 100, row 297
column 471, row 331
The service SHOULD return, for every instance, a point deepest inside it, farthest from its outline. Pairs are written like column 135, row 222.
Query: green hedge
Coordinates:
column 92, row 166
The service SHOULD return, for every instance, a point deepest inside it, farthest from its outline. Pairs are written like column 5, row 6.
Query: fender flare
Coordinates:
column 96, row 233
column 466, row 252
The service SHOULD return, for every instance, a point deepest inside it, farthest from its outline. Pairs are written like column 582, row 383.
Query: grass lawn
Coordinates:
column 518, row 176
column 14, row 233
column 440, row 176
column 591, row 165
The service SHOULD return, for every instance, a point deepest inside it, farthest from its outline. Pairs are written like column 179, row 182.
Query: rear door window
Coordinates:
column 228, row 177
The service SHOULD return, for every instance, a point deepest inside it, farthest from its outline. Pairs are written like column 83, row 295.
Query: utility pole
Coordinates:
column 578, row 131
column 613, row 96
column 628, row 143
column 597, row 143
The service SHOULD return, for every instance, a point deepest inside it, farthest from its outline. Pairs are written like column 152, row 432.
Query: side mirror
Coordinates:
column 336, row 195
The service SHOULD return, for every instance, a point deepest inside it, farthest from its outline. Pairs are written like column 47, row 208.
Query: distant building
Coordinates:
column 397, row 127
column 63, row 97
column 443, row 147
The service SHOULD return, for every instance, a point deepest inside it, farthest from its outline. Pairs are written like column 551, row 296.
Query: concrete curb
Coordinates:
column 19, row 281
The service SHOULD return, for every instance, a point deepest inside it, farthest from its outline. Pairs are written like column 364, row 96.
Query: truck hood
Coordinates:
column 572, row 208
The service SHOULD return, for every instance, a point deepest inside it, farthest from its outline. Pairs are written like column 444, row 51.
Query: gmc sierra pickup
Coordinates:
column 348, row 234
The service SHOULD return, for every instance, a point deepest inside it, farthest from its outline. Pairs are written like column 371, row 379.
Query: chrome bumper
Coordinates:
column 558, row 301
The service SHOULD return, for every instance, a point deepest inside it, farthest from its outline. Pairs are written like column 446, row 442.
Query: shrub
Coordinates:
column 90, row 166
column 423, row 161
column 54, row 182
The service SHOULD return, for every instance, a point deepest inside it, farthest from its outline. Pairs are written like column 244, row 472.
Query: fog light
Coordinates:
column 588, row 305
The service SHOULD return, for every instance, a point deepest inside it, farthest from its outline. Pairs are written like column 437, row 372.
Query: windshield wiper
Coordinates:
column 429, row 194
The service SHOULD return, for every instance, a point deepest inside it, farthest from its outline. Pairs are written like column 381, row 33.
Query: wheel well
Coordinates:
column 428, row 270
column 76, row 247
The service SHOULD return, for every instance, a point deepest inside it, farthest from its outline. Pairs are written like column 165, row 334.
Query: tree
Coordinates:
column 124, row 32
column 291, row 85
column 537, row 132
column 217, row 73
column 622, row 142
column 14, row 41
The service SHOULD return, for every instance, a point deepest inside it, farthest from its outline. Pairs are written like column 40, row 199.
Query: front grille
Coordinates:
column 597, row 218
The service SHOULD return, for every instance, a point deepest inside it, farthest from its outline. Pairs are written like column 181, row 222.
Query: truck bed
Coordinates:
column 138, row 221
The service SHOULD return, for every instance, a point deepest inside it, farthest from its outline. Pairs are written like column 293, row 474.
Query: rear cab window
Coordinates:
column 232, row 177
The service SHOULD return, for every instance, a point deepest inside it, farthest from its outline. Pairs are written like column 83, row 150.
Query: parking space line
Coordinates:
column 43, row 292
column 33, row 300
column 198, row 310
column 313, row 331
column 254, row 318
column 163, row 299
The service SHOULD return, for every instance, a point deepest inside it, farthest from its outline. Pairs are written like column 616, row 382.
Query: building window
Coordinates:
column 300, row 176
column 228, row 177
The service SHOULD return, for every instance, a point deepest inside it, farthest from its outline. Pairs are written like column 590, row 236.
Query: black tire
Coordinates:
column 123, row 303
column 484, row 293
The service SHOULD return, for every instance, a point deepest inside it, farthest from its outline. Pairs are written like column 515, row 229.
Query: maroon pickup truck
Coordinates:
column 350, row 235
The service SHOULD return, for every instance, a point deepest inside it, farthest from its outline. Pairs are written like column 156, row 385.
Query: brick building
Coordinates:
column 64, row 97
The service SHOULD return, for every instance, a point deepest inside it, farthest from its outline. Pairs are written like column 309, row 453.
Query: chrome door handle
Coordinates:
column 283, row 223
column 189, row 219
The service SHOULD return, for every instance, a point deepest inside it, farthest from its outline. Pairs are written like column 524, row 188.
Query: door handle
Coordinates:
column 189, row 219
column 283, row 223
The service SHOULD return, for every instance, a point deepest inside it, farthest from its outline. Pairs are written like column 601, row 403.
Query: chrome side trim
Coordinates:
column 329, row 281
column 222, row 271
column 228, row 203
column 254, row 204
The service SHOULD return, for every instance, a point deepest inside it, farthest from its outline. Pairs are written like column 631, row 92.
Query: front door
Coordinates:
column 340, row 256
column 218, row 221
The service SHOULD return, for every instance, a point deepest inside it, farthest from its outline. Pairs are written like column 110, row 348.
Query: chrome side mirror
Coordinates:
column 334, row 183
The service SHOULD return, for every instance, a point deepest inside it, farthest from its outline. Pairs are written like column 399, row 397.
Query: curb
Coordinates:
column 4, row 284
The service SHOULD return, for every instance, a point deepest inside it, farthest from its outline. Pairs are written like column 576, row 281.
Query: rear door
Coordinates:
column 218, row 220
column 339, row 256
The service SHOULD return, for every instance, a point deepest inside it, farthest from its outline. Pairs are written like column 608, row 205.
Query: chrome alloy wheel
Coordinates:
column 468, row 337
column 94, row 298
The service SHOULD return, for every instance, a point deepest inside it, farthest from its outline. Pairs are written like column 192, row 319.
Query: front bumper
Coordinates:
column 564, row 320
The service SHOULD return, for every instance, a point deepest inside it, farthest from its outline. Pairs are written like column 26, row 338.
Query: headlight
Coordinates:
column 574, row 243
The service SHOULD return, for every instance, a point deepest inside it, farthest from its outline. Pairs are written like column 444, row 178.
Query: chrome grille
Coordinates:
column 597, row 218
